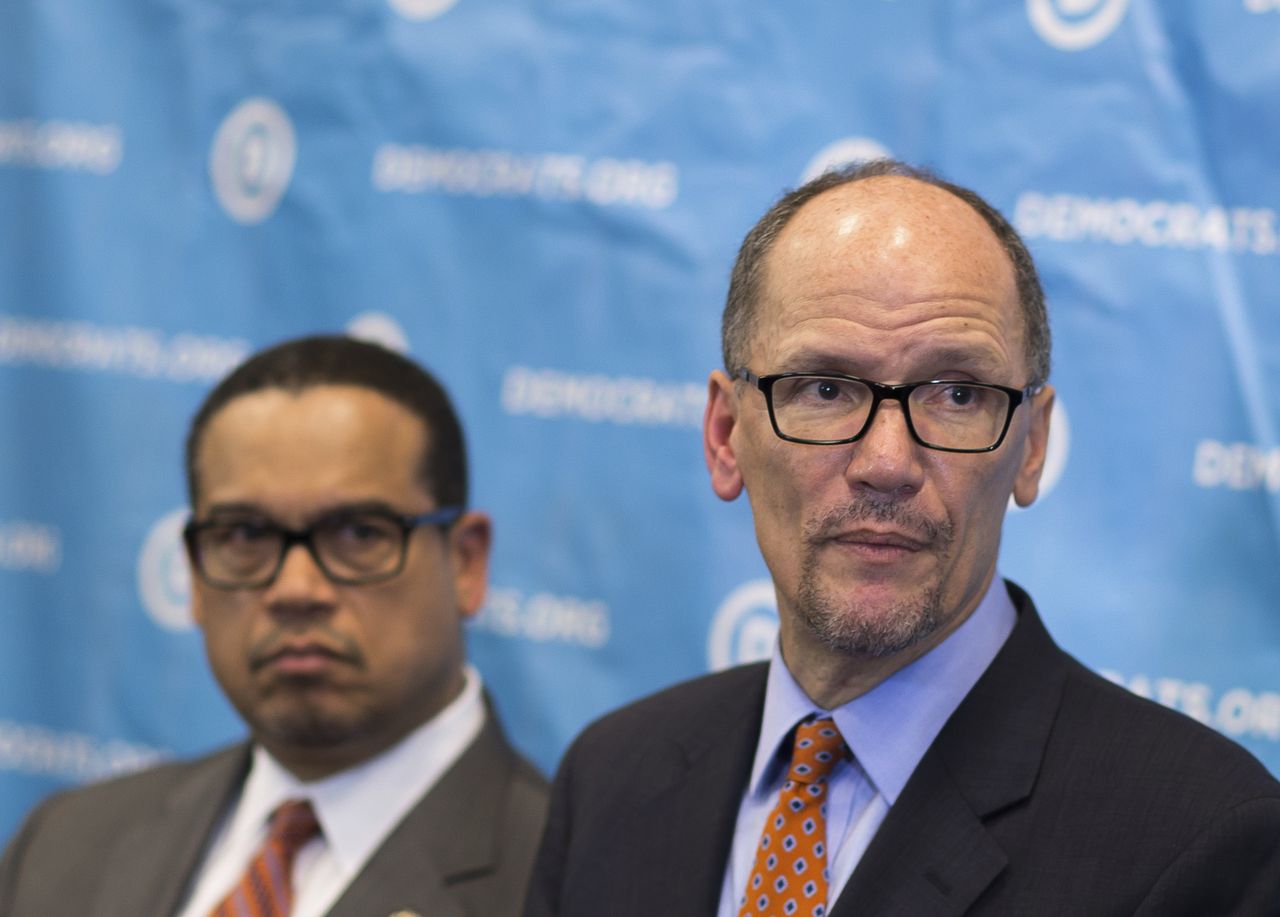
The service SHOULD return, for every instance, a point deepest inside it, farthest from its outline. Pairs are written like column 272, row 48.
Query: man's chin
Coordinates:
column 870, row 621
column 313, row 733
column 310, row 722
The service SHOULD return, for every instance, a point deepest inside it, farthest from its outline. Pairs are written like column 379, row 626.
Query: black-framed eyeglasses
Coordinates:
column 831, row 409
column 352, row 547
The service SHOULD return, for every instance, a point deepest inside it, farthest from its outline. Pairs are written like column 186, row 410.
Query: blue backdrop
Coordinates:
column 540, row 199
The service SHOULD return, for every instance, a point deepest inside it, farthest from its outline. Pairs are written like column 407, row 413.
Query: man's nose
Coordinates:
column 887, row 458
column 300, row 584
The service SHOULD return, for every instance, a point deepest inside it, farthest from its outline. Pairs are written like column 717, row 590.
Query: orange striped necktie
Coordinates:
column 266, row 889
column 791, row 875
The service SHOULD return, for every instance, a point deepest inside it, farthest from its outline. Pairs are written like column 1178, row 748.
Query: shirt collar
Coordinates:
column 358, row 807
column 891, row 726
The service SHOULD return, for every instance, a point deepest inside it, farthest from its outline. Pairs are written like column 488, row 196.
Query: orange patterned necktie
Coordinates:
column 790, row 875
column 266, row 889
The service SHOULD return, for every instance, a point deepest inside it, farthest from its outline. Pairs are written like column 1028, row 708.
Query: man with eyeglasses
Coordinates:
column 334, row 560
column 917, row 745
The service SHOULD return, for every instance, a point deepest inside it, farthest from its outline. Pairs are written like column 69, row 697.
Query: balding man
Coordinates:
column 917, row 745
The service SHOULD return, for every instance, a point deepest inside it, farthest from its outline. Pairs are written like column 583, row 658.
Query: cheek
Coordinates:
column 787, row 478
column 788, row 489
column 977, row 505
column 224, row 621
column 410, row 624
column 774, row 497
column 228, row 660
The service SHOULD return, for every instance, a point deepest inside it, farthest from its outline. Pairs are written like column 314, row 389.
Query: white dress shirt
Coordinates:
column 888, row 729
column 357, row 810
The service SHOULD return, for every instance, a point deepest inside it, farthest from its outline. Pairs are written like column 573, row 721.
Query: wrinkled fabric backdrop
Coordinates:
column 541, row 200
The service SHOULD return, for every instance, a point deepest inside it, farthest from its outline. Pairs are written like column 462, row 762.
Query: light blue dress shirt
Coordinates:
column 888, row 730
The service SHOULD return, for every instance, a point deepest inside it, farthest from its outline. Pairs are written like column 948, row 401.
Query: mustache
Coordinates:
column 315, row 637
column 910, row 522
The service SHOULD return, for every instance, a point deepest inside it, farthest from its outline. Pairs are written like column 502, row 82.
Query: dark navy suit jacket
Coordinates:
column 1049, row 791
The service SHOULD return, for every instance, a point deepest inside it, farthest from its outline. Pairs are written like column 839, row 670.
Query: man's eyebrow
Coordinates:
column 236, row 508
column 247, row 508
column 360, row 506
column 940, row 360
column 815, row 361
column 963, row 359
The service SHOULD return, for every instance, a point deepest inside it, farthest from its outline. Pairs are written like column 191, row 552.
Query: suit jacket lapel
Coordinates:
column 150, row 866
column 381, row 888
column 450, row 833
column 933, row 855
column 684, row 830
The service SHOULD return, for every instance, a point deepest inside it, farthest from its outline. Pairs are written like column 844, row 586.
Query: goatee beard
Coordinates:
column 837, row 621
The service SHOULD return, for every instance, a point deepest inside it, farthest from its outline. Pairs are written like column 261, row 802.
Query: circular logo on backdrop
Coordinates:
column 842, row 153
column 422, row 9
column 1073, row 25
column 379, row 328
column 744, row 627
column 164, row 583
column 252, row 160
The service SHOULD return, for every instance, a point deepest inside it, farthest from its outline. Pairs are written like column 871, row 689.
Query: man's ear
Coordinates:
column 1026, row 486
column 717, row 437
column 469, row 541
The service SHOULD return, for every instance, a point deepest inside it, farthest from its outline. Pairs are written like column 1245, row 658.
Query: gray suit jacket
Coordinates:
column 129, row 847
column 1048, row 792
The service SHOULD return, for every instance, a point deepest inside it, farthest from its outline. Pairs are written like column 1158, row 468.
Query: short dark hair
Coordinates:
column 742, row 304
column 337, row 360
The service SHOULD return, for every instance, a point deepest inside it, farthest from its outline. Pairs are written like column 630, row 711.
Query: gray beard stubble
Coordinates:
column 835, row 620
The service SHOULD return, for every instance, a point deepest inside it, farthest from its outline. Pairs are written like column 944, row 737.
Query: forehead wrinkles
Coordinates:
column 901, row 353
column 929, row 326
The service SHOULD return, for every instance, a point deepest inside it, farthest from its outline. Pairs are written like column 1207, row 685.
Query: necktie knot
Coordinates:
column 293, row 824
column 818, row 748
column 266, row 888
